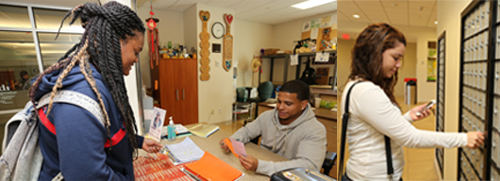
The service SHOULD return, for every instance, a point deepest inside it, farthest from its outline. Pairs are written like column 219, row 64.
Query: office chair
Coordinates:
column 330, row 158
column 265, row 91
column 242, row 102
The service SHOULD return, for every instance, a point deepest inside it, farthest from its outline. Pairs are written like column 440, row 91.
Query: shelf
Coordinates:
column 324, row 91
column 326, row 83
column 300, row 54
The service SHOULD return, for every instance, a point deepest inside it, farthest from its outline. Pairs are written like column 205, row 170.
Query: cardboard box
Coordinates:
column 270, row 51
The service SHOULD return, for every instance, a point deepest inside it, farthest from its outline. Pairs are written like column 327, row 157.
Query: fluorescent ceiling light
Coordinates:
column 355, row 15
column 310, row 3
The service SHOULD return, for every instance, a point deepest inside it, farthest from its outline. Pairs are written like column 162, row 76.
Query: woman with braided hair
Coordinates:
column 83, row 148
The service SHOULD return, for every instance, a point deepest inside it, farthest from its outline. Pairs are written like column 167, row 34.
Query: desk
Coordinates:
column 329, row 120
column 211, row 144
column 239, row 108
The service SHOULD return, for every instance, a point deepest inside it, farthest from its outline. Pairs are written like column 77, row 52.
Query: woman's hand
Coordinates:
column 151, row 146
column 417, row 114
column 474, row 139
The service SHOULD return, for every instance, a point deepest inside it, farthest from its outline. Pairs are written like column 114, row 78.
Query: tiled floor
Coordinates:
column 419, row 162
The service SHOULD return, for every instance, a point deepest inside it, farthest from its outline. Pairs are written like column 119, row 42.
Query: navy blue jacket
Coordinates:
column 78, row 148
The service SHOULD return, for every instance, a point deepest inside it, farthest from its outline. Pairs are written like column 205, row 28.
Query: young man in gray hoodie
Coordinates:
column 290, row 130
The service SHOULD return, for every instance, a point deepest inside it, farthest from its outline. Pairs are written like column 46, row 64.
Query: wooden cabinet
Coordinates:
column 331, row 139
column 178, row 90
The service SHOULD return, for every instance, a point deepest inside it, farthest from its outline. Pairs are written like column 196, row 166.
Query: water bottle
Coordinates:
column 171, row 130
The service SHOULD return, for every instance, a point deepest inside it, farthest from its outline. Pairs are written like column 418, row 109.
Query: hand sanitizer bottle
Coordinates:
column 171, row 130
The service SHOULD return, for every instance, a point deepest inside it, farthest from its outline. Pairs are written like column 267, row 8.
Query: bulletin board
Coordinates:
column 315, row 29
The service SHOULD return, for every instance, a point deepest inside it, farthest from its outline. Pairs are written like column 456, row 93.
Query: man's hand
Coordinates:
column 223, row 145
column 151, row 146
column 474, row 139
column 249, row 162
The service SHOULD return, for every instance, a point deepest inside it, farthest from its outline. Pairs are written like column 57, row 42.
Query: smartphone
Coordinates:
column 427, row 106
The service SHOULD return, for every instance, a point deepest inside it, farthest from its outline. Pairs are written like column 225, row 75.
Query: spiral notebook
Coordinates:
column 209, row 167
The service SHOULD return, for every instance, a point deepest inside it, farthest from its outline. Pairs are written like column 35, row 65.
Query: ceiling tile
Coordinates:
column 223, row 3
column 244, row 8
column 394, row 4
column 341, row 16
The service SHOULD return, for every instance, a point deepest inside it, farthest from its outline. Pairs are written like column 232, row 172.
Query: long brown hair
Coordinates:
column 367, row 57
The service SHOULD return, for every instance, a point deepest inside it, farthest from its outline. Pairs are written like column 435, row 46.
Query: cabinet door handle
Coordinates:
column 183, row 95
column 176, row 94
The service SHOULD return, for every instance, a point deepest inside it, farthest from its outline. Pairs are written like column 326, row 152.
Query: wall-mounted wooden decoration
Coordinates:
column 204, row 45
column 215, row 48
column 227, row 53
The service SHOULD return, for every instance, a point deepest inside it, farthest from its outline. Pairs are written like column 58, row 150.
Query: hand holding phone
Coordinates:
column 427, row 106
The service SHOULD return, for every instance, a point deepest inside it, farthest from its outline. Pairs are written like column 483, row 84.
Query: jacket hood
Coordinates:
column 74, row 77
column 306, row 115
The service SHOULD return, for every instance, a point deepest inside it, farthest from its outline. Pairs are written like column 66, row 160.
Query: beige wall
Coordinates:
column 407, row 70
column 170, row 28
column 449, row 21
column 344, row 48
column 217, row 94
column 249, row 38
column 214, row 95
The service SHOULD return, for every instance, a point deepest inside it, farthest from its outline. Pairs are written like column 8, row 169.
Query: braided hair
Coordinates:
column 100, row 46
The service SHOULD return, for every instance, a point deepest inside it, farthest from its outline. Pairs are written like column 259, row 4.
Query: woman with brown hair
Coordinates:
column 375, row 121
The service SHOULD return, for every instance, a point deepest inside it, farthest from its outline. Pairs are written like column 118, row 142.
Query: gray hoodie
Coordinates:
column 303, row 141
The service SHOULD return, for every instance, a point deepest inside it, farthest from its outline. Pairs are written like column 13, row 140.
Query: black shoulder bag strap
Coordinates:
column 345, row 118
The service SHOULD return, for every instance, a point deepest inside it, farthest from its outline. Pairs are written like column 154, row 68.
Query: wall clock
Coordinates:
column 218, row 30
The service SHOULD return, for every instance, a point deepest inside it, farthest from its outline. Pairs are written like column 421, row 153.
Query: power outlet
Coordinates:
column 220, row 111
column 212, row 111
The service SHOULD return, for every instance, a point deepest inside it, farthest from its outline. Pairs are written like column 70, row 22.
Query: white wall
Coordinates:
column 250, row 37
column 448, row 14
column 190, row 24
column 170, row 28
column 216, row 93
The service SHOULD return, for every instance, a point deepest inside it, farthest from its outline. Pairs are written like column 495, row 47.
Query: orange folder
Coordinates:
column 210, row 167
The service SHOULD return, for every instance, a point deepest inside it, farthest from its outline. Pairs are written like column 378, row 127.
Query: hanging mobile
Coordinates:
column 152, row 37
